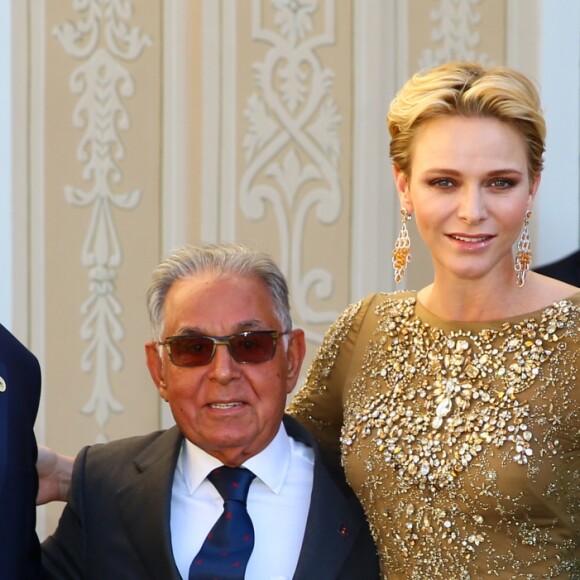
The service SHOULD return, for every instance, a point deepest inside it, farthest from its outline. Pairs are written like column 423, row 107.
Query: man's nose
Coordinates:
column 223, row 365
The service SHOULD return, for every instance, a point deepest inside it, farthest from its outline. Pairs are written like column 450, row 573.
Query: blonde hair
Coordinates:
column 467, row 89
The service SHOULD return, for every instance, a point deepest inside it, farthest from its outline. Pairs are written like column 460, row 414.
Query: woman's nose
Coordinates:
column 472, row 205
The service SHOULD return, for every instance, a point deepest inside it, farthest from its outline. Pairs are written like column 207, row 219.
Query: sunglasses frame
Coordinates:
column 226, row 341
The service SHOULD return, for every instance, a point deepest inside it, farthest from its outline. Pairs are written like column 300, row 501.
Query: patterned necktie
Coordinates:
column 225, row 553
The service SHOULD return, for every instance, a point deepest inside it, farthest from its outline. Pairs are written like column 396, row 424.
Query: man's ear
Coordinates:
column 402, row 185
column 295, row 355
column 155, row 366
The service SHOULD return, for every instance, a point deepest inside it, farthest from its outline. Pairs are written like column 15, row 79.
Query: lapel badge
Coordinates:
column 343, row 531
column 2, row 385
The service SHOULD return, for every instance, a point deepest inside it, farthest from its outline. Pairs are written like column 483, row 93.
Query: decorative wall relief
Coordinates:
column 103, row 40
column 456, row 33
column 292, row 148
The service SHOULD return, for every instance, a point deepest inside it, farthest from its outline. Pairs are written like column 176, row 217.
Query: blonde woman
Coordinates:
column 457, row 407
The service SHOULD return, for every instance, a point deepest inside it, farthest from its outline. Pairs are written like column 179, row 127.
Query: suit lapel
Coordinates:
column 332, row 525
column 145, row 504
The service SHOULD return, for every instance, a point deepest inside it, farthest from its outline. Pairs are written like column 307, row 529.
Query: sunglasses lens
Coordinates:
column 253, row 347
column 191, row 351
column 256, row 346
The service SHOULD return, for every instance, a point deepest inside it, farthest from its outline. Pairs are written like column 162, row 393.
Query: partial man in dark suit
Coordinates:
column 19, row 398
column 567, row 269
column 225, row 357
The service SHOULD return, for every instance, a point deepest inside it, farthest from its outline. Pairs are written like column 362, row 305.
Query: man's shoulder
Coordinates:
column 14, row 351
column 135, row 448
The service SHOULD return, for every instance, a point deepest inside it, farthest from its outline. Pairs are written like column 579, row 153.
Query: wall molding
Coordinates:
column 103, row 40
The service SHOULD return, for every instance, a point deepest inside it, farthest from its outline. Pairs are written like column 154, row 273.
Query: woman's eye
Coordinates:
column 501, row 183
column 443, row 183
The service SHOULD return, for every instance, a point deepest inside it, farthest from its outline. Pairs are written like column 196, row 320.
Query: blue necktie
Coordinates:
column 225, row 553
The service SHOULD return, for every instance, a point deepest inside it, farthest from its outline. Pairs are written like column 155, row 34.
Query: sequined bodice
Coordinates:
column 462, row 441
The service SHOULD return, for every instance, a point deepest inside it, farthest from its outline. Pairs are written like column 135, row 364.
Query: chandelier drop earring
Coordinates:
column 523, row 253
column 402, row 251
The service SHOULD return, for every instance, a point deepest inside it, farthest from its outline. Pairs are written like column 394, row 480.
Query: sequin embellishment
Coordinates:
column 437, row 419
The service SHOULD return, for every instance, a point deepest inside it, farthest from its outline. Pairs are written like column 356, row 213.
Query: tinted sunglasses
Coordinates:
column 194, row 350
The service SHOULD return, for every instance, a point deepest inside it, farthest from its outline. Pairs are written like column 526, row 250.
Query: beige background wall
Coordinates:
column 145, row 124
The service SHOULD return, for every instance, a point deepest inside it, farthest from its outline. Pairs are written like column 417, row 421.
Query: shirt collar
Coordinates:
column 270, row 465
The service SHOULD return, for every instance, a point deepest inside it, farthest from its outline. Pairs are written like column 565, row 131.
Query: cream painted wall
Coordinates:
column 94, row 161
column 205, row 120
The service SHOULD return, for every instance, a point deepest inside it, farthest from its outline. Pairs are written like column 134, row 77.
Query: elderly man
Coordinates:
column 224, row 357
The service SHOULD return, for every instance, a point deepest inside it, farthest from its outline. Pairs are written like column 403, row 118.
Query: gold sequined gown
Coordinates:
column 462, row 440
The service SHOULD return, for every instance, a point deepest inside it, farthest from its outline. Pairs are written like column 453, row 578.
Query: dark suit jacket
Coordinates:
column 19, row 548
column 116, row 523
column 567, row 269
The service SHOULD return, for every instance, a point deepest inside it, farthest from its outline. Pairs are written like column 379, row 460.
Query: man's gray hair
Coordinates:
column 220, row 259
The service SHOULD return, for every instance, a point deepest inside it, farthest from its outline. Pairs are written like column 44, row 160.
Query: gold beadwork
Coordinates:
column 451, row 436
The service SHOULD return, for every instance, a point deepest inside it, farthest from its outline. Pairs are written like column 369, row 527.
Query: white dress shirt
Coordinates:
column 278, row 503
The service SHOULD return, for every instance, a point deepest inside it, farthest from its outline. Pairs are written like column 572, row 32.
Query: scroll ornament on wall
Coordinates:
column 291, row 145
column 104, row 42
column 456, row 33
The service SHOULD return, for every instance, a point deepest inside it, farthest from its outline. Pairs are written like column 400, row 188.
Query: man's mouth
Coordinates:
column 225, row 405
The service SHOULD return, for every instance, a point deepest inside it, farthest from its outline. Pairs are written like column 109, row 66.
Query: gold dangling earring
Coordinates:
column 523, row 253
column 402, row 251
